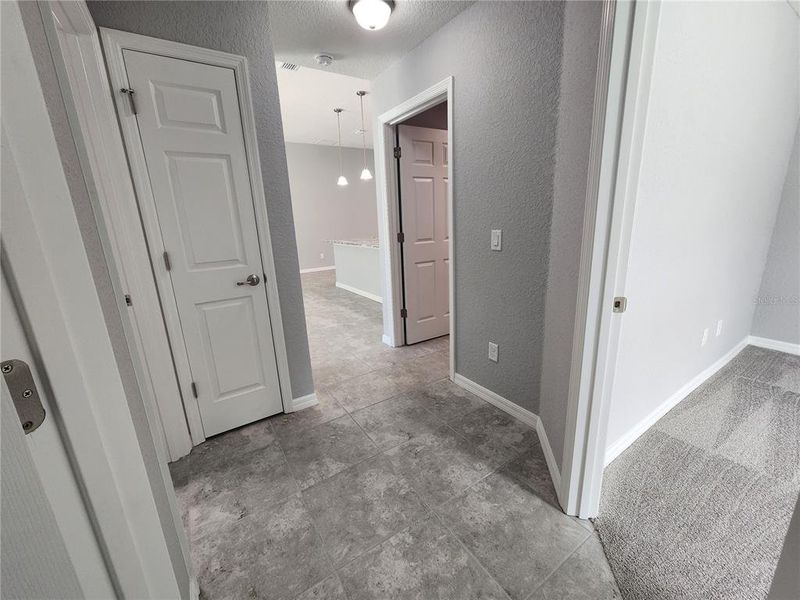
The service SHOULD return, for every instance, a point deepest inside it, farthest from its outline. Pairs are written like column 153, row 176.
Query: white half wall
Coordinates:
column 324, row 211
column 722, row 114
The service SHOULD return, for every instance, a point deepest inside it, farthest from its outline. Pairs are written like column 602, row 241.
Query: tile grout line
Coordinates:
column 557, row 567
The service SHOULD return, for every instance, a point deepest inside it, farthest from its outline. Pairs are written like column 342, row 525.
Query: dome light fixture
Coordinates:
column 342, row 181
column 372, row 14
column 365, row 174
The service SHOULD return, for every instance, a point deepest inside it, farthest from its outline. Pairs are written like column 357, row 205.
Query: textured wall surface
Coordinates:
column 777, row 313
column 720, row 127
column 239, row 28
column 323, row 210
column 582, row 21
column 505, row 60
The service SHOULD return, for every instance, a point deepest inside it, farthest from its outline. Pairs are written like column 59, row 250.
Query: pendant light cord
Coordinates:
column 363, row 130
column 339, row 128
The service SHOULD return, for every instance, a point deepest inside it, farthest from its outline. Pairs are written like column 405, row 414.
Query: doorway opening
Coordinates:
column 327, row 121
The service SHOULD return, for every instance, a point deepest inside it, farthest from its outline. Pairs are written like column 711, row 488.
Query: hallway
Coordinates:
column 399, row 484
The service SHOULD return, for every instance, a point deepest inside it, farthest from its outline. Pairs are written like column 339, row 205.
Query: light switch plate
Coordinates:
column 497, row 240
column 494, row 350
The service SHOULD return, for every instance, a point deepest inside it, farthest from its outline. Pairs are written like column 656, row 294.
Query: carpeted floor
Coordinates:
column 699, row 506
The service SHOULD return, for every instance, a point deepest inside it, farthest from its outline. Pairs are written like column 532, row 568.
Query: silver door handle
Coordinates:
column 252, row 279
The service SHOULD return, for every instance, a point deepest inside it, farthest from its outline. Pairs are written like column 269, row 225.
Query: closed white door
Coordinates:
column 191, row 133
column 423, row 204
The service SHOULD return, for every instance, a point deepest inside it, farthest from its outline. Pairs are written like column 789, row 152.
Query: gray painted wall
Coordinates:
column 505, row 58
column 81, row 200
column 777, row 314
column 582, row 22
column 720, row 127
column 239, row 28
column 323, row 210
column 434, row 118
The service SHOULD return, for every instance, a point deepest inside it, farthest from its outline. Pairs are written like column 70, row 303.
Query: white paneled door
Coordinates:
column 423, row 204
column 191, row 132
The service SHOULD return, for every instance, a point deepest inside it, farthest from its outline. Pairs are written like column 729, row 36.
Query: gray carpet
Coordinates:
column 699, row 506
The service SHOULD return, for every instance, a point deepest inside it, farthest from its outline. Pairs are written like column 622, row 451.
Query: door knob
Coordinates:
column 252, row 279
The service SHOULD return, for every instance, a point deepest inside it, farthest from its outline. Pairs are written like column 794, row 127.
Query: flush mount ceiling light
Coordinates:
column 365, row 174
column 372, row 14
column 342, row 181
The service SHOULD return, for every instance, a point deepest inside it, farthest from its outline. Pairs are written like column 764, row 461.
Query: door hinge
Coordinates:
column 620, row 304
column 24, row 394
column 398, row 152
column 167, row 263
column 194, row 389
column 403, row 313
column 129, row 92
column 401, row 237
column 128, row 300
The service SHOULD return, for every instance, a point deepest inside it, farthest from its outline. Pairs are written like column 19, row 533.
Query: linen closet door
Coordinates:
column 191, row 132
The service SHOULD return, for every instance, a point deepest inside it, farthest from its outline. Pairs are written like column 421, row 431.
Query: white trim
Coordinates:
column 550, row 459
column 770, row 344
column 604, row 250
column 646, row 423
column 355, row 290
column 84, row 85
column 44, row 250
column 194, row 589
column 521, row 414
column 114, row 42
column 306, row 401
column 388, row 217
column 318, row 269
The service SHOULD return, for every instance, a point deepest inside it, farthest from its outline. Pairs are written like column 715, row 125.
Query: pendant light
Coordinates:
column 365, row 174
column 342, row 181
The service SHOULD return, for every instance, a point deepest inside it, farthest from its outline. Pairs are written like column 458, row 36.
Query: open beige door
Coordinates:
column 426, row 239
column 190, row 129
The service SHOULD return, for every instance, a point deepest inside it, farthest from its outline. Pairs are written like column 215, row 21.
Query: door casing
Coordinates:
column 114, row 42
column 389, row 214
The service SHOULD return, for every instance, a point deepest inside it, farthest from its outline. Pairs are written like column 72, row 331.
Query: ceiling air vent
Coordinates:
column 289, row 66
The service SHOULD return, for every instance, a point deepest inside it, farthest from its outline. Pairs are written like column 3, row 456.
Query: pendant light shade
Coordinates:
column 365, row 174
column 342, row 181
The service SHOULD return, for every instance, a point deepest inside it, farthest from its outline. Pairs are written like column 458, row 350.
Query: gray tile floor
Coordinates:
column 397, row 485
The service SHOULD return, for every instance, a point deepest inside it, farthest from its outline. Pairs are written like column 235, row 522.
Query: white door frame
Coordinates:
column 76, row 51
column 114, row 42
column 608, row 220
column 47, row 266
column 389, row 216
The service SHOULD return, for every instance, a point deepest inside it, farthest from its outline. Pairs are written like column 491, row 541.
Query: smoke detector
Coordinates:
column 324, row 60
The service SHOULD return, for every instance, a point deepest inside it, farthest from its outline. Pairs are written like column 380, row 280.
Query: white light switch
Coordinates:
column 493, row 351
column 497, row 240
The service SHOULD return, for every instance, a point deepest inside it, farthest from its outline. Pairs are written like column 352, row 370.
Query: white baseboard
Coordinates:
column 318, row 269
column 350, row 288
column 778, row 345
column 387, row 339
column 194, row 589
column 521, row 414
column 516, row 411
column 304, row 402
column 637, row 430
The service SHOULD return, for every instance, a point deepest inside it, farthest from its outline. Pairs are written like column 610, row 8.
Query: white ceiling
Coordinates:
column 301, row 29
column 308, row 97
